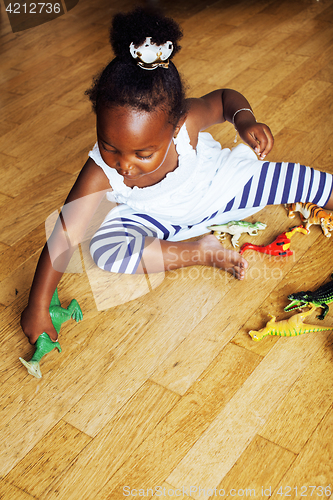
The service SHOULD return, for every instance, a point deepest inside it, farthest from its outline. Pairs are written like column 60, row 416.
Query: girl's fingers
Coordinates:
column 35, row 322
column 261, row 140
column 269, row 143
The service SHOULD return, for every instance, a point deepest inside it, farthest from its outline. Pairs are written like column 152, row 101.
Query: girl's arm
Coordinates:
column 225, row 105
column 81, row 203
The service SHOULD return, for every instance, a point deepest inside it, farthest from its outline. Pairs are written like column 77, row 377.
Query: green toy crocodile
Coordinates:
column 288, row 327
column 320, row 298
column 236, row 228
column 44, row 344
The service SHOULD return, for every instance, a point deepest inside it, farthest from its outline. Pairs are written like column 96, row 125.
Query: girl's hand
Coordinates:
column 258, row 136
column 35, row 321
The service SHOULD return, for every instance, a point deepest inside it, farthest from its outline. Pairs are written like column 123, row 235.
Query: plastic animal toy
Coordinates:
column 320, row 298
column 236, row 228
column 44, row 344
column 280, row 246
column 312, row 214
column 291, row 327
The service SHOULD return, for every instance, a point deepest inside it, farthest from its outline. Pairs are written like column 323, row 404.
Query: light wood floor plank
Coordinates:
column 262, row 465
column 30, row 422
column 305, row 405
column 312, row 67
column 305, row 21
column 220, row 446
column 50, row 457
column 114, row 444
column 8, row 491
column 317, row 44
column 19, row 281
column 289, row 110
column 20, row 252
column 313, row 466
column 24, row 215
column 151, row 345
column 182, row 426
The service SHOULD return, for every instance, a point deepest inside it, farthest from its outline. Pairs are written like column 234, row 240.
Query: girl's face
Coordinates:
column 133, row 142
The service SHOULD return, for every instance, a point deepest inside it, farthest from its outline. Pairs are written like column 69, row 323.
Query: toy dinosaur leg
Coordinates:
column 325, row 230
column 324, row 312
column 75, row 310
column 234, row 240
column 59, row 315
column 286, row 252
column 307, row 224
column 220, row 236
column 290, row 209
column 55, row 299
column 304, row 314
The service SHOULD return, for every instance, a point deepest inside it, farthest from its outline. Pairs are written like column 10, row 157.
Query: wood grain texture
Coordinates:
column 160, row 385
column 234, row 428
column 48, row 459
column 119, row 439
column 306, row 404
column 182, row 427
column 313, row 466
column 260, row 467
column 8, row 490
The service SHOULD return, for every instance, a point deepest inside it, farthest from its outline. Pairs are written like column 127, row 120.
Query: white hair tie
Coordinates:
column 151, row 56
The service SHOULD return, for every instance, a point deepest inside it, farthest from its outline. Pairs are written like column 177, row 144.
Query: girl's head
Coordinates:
column 124, row 83
column 133, row 142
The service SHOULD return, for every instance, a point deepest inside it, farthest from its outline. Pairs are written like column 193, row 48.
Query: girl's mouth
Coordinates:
column 129, row 176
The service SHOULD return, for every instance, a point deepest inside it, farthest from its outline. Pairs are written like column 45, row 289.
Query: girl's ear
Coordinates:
column 179, row 126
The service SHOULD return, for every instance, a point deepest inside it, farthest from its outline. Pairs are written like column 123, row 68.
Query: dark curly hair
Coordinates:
column 124, row 83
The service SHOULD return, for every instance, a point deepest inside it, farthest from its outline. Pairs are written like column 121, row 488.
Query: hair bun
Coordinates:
column 135, row 26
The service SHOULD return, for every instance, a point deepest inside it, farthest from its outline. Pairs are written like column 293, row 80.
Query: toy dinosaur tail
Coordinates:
column 250, row 246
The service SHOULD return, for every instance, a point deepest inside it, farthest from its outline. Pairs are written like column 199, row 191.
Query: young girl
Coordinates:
column 170, row 180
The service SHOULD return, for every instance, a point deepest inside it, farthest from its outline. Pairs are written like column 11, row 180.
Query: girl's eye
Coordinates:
column 145, row 157
column 108, row 150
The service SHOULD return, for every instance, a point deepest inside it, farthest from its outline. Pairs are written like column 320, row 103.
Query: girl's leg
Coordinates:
column 329, row 204
column 129, row 245
column 118, row 244
column 207, row 251
column 278, row 183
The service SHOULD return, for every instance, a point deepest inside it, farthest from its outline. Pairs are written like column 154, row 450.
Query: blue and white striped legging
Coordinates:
column 118, row 244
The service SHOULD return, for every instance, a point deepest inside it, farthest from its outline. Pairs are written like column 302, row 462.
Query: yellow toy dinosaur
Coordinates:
column 288, row 327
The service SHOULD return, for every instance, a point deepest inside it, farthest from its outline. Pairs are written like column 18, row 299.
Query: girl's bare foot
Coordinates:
column 214, row 254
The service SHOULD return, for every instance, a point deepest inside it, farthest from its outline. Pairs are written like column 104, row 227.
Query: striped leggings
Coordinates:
column 118, row 244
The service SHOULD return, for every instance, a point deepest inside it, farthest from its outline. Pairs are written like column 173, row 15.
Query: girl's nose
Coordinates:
column 124, row 165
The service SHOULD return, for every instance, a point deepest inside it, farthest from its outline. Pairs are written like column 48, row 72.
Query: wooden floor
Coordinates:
column 160, row 386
